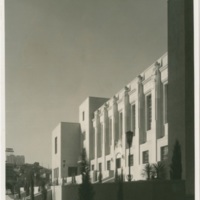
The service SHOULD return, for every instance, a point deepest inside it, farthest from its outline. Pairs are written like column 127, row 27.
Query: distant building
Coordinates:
column 9, row 151
column 141, row 106
column 14, row 159
column 10, row 159
column 19, row 160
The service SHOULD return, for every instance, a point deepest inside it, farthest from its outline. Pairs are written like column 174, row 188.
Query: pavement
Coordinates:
column 9, row 197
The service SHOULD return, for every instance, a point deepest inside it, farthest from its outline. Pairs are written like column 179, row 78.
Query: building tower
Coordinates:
column 181, row 85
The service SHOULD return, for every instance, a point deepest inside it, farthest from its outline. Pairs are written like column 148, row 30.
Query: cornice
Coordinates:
column 119, row 101
column 110, row 107
column 147, row 80
column 132, row 91
column 163, row 67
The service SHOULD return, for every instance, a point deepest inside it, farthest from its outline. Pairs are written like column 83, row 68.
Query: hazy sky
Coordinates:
column 60, row 52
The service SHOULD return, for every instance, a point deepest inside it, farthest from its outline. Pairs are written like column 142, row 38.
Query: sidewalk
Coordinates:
column 9, row 197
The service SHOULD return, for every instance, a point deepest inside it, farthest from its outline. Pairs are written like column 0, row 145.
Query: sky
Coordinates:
column 60, row 52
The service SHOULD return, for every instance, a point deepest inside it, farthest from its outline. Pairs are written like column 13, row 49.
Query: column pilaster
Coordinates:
column 97, row 121
column 156, row 115
column 126, row 123
column 105, row 132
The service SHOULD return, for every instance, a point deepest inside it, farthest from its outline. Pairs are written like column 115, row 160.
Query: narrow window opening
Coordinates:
column 145, row 157
column 165, row 103
column 108, row 165
column 56, row 145
column 148, row 112
column 120, row 125
column 133, row 117
column 118, row 163
column 83, row 115
column 163, row 153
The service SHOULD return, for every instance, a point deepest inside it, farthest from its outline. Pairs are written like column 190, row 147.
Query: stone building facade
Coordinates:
column 140, row 107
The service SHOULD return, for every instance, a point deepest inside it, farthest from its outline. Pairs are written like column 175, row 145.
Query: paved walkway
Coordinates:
column 9, row 197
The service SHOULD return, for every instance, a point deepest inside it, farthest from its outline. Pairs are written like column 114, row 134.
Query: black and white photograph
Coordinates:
column 100, row 100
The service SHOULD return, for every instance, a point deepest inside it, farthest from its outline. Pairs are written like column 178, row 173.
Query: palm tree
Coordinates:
column 159, row 169
column 148, row 170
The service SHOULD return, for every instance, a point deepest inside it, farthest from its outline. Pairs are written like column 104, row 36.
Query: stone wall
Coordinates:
column 140, row 190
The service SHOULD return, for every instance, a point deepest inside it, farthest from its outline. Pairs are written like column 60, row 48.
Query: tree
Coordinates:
column 86, row 191
column 11, row 177
column 159, row 169
column 26, row 187
column 29, row 182
column 18, row 185
column 83, row 161
column 147, row 171
column 43, row 190
column 30, row 176
column 36, row 170
column 32, row 185
column 176, row 163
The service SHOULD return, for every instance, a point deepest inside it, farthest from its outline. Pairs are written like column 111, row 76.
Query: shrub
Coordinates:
column 176, row 163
